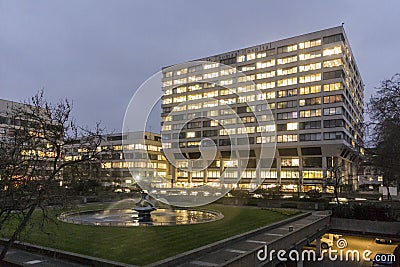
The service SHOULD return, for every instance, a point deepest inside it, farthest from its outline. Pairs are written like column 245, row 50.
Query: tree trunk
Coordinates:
column 336, row 194
column 17, row 231
column 389, row 197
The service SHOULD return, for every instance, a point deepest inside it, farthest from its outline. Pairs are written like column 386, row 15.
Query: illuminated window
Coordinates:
column 286, row 49
column 228, row 71
column 248, row 119
column 332, row 99
column 168, row 74
column 251, row 56
column 286, row 174
column 210, row 75
column 210, row 94
column 167, row 83
column 310, row 113
column 227, row 101
column 193, row 143
column 270, row 95
column 285, row 138
column 210, row 66
column 287, row 81
column 245, row 130
column 266, row 128
column 265, row 139
column 179, row 99
column 286, row 71
column 332, row 51
column 310, row 78
column 333, row 63
column 194, row 96
column 312, row 174
column 290, row 162
column 210, row 104
column 310, row 101
column 180, row 72
column 180, row 81
column 286, row 60
column 308, row 44
column 246, row 88
column 190, row 134
column 309, row 67
column 227, row 131
column 167, row 101
column 195, row 78
column 247, row 98
column 227, row 121
column 269, row 174
column 265, row 85
column 194, row 106
column 311, row 55
column 310, row 90
column 194, row 87
column 181, row 89
column 332, row 87
column 213, row 174
column 265, row 64
column 248, row 68
column 291, row 126
column 246, row 78
column 241, row 58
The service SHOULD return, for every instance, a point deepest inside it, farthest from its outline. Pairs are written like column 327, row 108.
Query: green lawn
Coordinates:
column 143, row 245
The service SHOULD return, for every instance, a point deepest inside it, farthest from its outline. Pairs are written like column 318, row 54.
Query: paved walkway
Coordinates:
column 234, row 250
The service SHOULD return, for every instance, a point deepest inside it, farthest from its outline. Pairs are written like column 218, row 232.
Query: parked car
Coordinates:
column 325, row 243
column 383, row 240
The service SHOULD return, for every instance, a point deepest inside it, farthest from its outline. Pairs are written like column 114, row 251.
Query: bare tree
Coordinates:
column 32, row 160
column 384, row 111
column 337, row 176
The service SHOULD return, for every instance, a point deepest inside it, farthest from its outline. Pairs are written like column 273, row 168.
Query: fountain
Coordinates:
column 145, row 207
column 144, row 213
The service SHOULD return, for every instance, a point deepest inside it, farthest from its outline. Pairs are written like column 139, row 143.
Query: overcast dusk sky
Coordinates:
column 97, row 53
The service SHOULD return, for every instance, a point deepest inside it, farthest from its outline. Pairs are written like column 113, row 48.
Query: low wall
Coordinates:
column 274, row 203
column 365, row 227
column 65, row 255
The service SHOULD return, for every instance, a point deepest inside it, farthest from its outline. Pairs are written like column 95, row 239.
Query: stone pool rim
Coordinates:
column 63, row 217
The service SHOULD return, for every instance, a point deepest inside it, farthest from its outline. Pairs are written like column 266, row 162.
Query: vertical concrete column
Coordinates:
column 324, row 174
column 205, row 177
column 318, row 247
column 173, row 175
column 300, row 182
column 278, row 170
column 221, row 169
column 300, row 262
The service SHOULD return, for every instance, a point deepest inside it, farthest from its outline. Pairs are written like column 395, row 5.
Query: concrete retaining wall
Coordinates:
column 274, row 203
column 65, row 255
